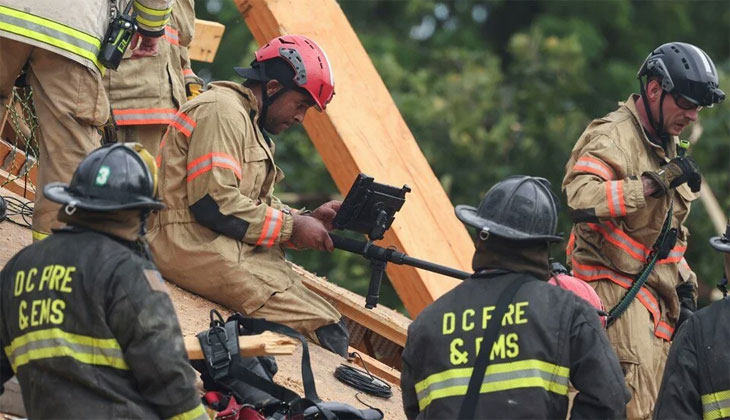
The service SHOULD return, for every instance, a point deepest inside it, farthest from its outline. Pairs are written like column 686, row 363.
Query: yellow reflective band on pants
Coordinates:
column 52, row 33
column 197, row 413
column 716, row 405
column 499, row 377
column 54, row 342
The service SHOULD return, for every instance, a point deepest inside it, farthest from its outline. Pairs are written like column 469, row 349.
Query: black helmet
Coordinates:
column 722, row 242
column 519, row 208
column 686, row 70
column 113, row 177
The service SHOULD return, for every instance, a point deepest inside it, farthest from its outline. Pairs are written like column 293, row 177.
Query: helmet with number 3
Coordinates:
column 113, row 177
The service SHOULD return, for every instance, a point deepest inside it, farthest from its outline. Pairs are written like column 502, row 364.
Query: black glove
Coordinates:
column 687, row 304
column 675, row 173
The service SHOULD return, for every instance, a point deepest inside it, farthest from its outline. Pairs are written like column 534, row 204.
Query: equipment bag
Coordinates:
column 250, row 379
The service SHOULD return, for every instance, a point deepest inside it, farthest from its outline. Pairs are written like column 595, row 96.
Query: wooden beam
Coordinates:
column 264, row 344
column 380, row 320
column 712, row 206
column 206, row 40
column 376, row 367
column 363, row 131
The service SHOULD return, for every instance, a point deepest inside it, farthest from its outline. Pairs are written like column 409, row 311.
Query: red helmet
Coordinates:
column 312, row 70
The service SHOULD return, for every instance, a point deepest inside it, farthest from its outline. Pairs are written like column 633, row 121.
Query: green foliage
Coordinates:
column 494, row 88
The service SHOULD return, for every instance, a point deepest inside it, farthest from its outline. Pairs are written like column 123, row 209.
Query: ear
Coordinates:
column 653, row 90
column 273, row 86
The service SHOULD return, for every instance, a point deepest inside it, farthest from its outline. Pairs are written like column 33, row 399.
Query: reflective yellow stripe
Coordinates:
column 51, row 24
column 197, row 413
column 155, row 12
column 716, row 405
column 55, row 342
column 499, row 377
column 152, row 23
column 37, row 236
column 33, row 27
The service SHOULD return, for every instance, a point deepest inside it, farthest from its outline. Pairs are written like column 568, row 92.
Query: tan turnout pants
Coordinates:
column 70, row 103
column 642, row 354
column 148, row 136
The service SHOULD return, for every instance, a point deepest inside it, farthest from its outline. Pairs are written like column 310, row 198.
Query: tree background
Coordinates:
column 496, row 88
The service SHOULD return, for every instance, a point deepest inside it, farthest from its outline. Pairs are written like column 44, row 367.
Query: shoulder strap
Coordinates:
column 468, row 406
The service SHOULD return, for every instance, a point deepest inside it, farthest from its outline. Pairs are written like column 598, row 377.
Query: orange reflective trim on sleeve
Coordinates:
column 615, row 198
column 158, row 158
column 620, row 194
column 594, row 166
column 183, row 123
column 171, row 35
column 188, row 72
column 271, row 228
column 207, row 162
column 144, row 116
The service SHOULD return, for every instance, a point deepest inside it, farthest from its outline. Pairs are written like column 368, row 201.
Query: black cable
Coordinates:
column 17, row 207
column 363, row 380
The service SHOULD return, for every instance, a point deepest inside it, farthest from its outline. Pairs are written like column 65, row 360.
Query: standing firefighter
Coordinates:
column 146, row 93
column 87, row 325
column 59, row 42
column 222, row 233
column 696, row 382
column 629, row 187
column 548, row 336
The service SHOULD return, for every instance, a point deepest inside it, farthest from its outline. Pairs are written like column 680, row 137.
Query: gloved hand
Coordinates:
column 309, row 232
column 687, row 304
column 326, row 213
column 193, row 89
column 675, row 173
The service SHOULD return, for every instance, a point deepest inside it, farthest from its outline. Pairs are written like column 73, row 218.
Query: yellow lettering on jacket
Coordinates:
column 449, row 323
column 35, row 307
column 506, row 346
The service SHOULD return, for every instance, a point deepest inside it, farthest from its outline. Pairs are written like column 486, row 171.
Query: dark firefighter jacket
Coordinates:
column 549, row 337
column 697, row 375
column 90, row 331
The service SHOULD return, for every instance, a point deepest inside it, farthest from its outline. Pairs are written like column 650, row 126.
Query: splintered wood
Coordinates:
column 264, row 344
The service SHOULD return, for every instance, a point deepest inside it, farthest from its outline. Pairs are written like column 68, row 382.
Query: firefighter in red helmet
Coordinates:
column 223, row 232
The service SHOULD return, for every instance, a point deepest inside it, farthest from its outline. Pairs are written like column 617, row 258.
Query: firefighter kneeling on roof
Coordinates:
column 86, row 322
column 548, row 336
column 223, row 232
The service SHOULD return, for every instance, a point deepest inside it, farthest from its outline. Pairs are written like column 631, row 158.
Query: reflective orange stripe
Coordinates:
column 171, row 35
column 618, row 237
column 676, row 255
column 183, row 124
column 594, row 166
column 615, row 198
column 207, row 162
column 645, row 296
column 571, row 244
column 272, row 226
column 158, row 158
column 144, row 116
column 188, row 72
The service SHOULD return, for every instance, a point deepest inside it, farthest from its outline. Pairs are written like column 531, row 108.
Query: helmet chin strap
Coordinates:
column 657, row 126
column 266, row 101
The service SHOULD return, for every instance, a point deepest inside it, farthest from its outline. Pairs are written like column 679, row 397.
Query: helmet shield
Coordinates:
column 519, row 208
column 113, row 177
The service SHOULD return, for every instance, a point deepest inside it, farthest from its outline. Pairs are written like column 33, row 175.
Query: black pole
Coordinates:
column 378, row 253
